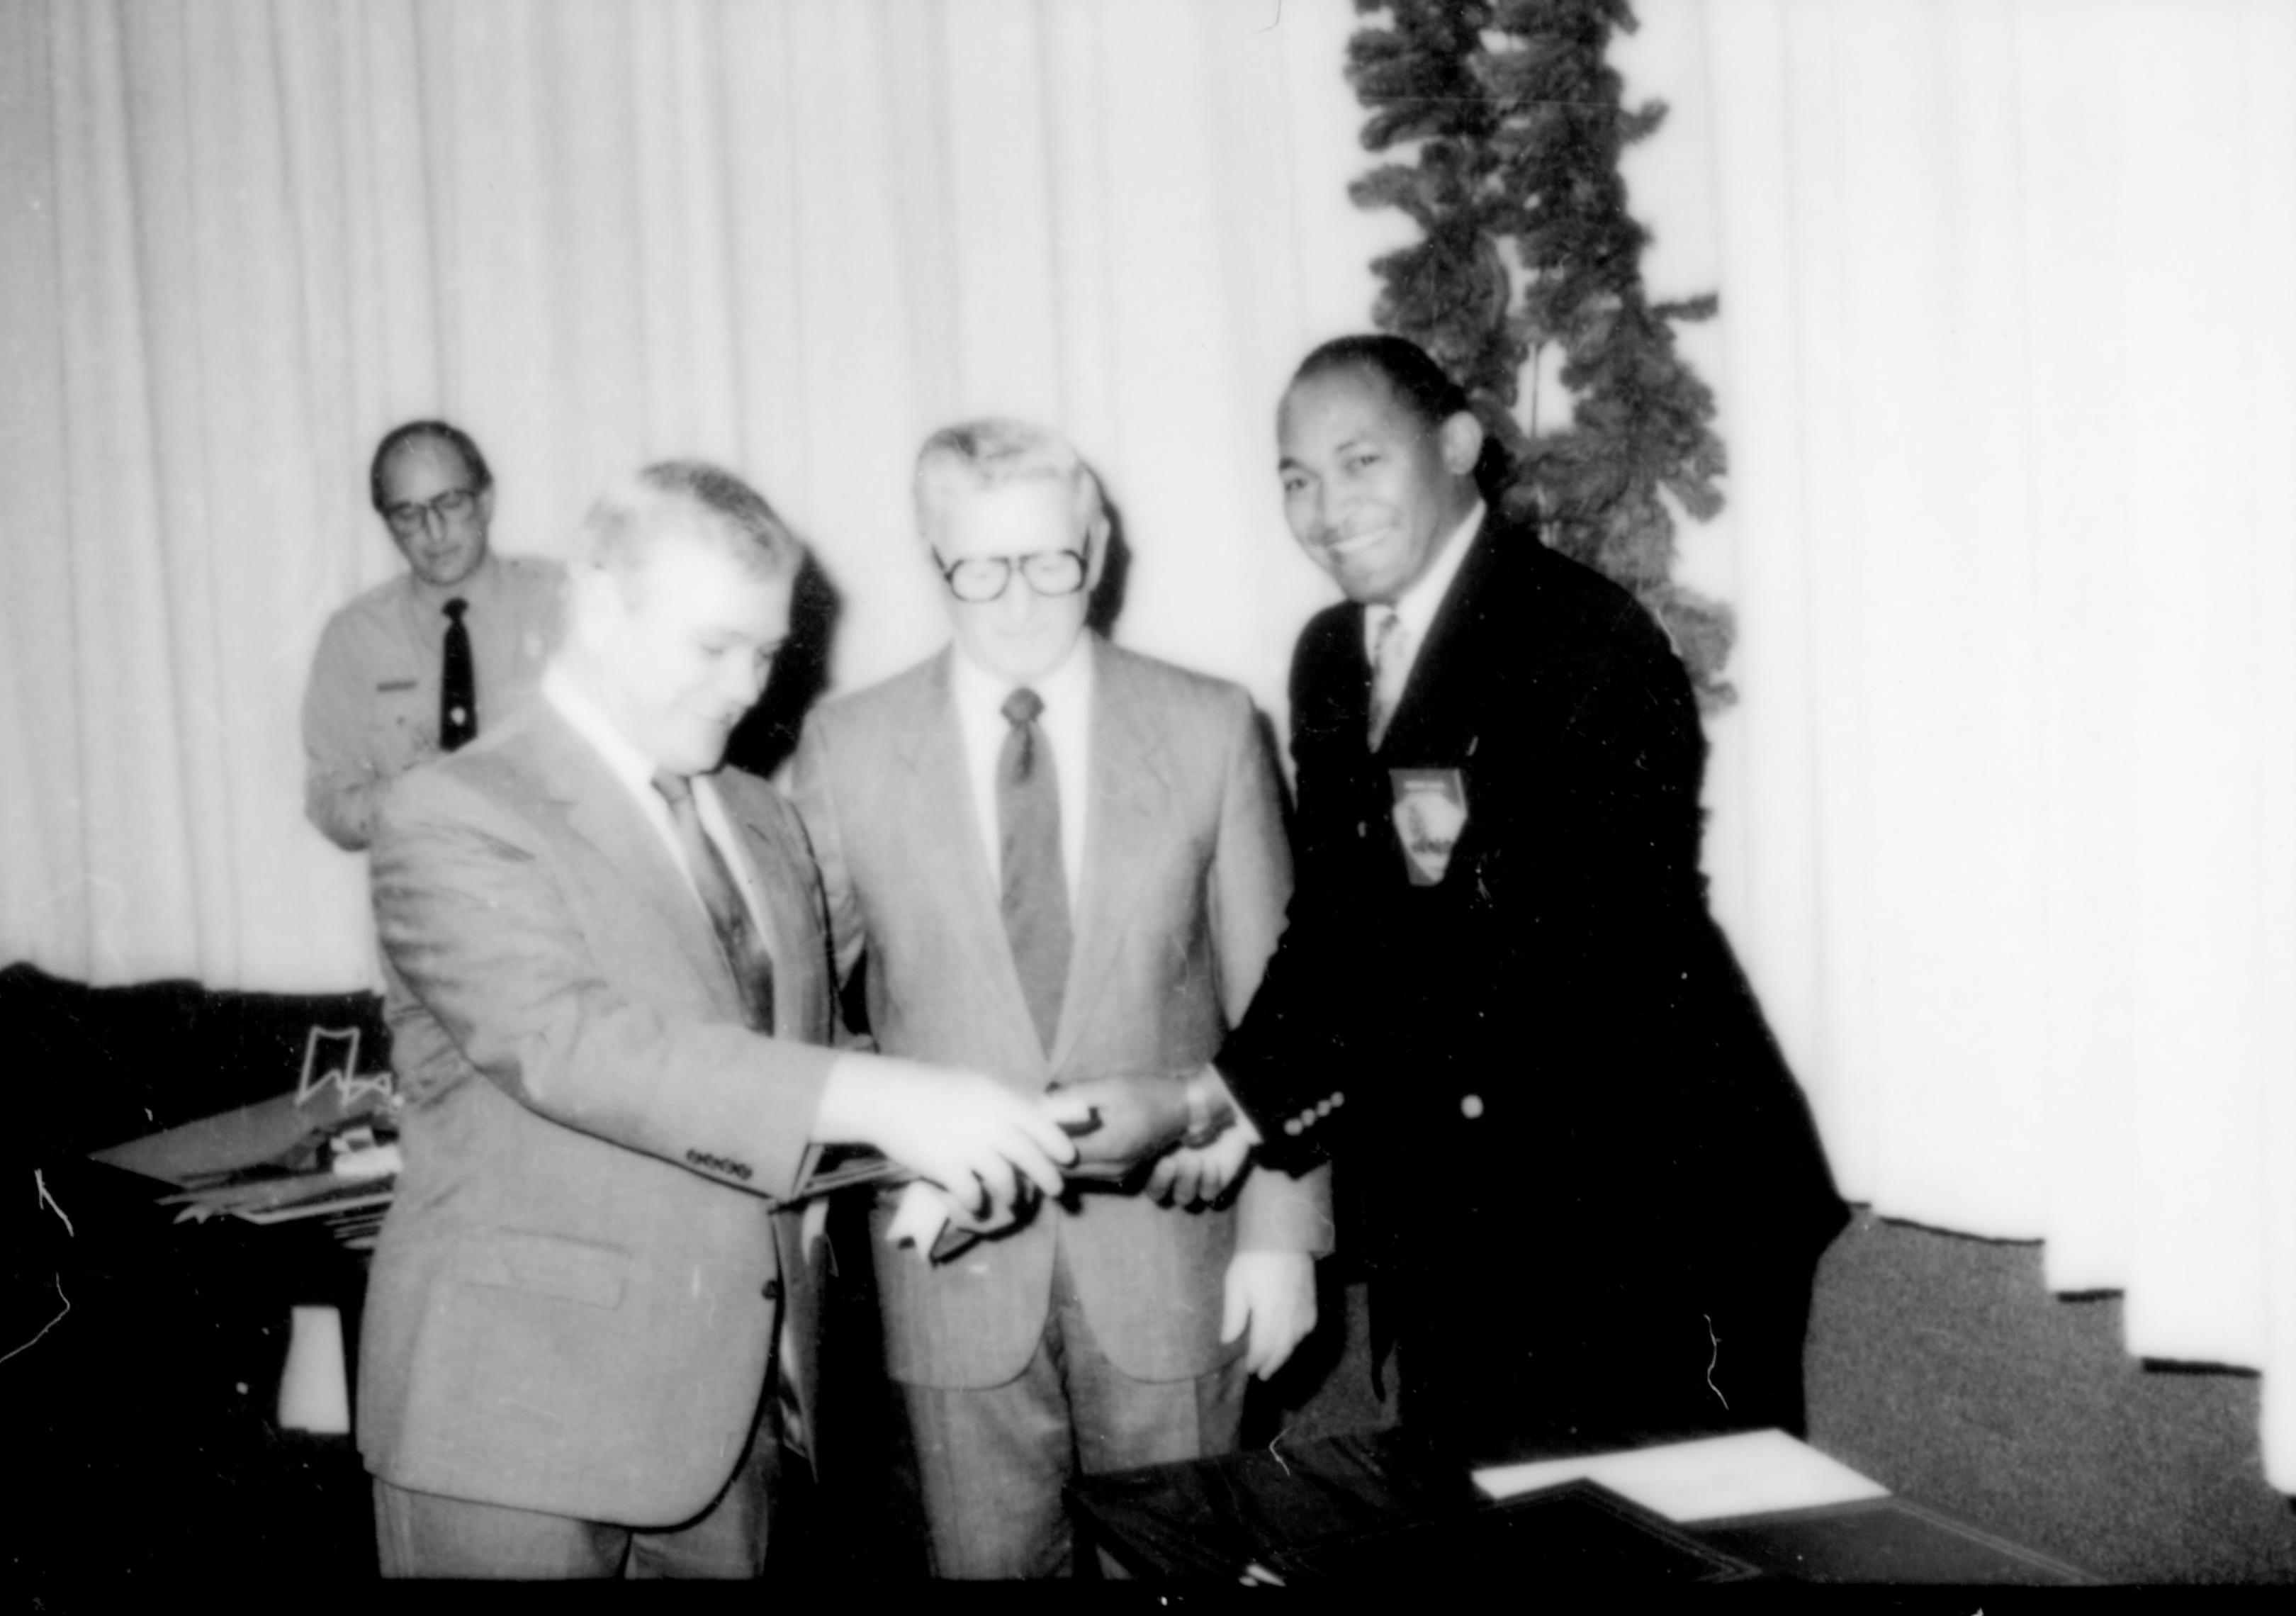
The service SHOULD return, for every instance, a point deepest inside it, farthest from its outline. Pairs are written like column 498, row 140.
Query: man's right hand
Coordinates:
column 969, row 1134
column 1200, row 1175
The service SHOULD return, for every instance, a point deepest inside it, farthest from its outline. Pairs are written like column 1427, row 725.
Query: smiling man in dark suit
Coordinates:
column 608, row 994
column 1592, row 1192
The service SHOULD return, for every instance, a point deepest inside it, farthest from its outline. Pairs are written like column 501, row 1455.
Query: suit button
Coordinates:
column 772, row 1290
column 1470, row 1106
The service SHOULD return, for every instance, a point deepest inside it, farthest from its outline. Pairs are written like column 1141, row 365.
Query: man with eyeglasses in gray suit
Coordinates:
column 1066, row 865
column 411, row 669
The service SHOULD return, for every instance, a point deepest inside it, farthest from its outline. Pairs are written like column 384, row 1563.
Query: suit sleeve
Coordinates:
column 475, row 927
column 815, row 795
column 1645, row 752
column 1287, row 1055
column 1617, row 846
column 1730, row 1117
column 1251, row 863
column 1252, row 881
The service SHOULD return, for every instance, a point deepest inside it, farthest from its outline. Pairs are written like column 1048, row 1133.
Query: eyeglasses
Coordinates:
column 407, row 520
column 981, row 579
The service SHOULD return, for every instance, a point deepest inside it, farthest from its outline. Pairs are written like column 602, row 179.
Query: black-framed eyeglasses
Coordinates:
column 407, row 520
column 981, row 579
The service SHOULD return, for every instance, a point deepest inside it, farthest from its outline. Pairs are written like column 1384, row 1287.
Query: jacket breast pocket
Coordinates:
column 544, row 1265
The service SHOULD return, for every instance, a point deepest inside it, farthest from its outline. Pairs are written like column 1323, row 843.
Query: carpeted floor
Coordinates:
column 1939, row 1366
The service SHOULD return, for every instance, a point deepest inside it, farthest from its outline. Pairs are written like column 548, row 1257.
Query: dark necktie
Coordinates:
column 745, row 951
column 1036, row 895
column 458, row 685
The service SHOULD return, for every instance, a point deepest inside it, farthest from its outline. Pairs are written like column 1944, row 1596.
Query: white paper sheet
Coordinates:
column 1748, row 1472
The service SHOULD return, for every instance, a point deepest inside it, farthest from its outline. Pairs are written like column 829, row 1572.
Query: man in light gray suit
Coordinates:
column 1066, row 865
column 608, row 990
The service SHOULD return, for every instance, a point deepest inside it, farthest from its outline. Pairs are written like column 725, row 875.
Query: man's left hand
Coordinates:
column 1276, row 1293
column 1119, row 1121
column 1199, row 1175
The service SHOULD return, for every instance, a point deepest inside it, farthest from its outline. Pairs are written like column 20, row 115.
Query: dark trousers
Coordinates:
column 1521, row 1375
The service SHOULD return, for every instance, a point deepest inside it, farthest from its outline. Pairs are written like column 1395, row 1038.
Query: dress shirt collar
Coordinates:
column 1416, row 606
column 637, row 771
column 630, row 765
column 978, row 696
column 1066, row 690
column 482, row 588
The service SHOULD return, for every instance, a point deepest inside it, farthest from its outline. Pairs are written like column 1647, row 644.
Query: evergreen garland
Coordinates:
column 1528, row 246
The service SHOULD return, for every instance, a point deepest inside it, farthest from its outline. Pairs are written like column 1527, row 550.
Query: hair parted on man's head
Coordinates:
column 624, row 523
column 994, row 450
column 440, row 432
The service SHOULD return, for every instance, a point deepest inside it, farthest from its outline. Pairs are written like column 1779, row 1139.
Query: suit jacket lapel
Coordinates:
column 600, row 810
column 1124, row 810
column 1350, row 710
column 1454, row 627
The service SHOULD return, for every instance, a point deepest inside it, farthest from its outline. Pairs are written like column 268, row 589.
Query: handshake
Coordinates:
column 988, row 1150
column 1117, row 1123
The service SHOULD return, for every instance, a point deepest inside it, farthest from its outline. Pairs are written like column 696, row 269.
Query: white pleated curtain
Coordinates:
column 2009, row 298
column 2005, row 822
column 240, row 239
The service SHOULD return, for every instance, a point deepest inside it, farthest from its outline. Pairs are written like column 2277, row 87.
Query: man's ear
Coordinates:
column 1095, row 550
column 1462, row 442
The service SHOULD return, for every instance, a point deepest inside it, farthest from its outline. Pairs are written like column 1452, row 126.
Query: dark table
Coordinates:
column 1382, row 1505
column 141, row 1425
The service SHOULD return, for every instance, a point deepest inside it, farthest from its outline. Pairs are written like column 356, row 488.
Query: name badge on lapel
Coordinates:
column 1430, row 812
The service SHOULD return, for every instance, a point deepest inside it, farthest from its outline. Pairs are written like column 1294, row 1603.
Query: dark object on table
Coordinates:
column 103, row 1065
column 1214, row 1516
column 1375, row 1506
column 147, row 1370
column 1578, row 1534
column 1882, row 1540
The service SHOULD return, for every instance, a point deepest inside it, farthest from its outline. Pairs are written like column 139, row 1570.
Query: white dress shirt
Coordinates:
column 1415, row 608
column 1066, row 722
column 637, row 771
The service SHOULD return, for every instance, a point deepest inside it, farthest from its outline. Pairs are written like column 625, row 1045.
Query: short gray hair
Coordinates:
column 989, row 452
column 622, row 527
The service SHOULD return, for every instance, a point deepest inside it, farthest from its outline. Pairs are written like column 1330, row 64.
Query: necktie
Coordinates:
column 745, row 951
column 458, row 694
column 1389, row 666
column 1035, row 898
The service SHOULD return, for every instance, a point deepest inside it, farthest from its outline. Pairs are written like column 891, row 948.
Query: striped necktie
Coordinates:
column 1035, row 897
column 1390, row 666
column 745, row 951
